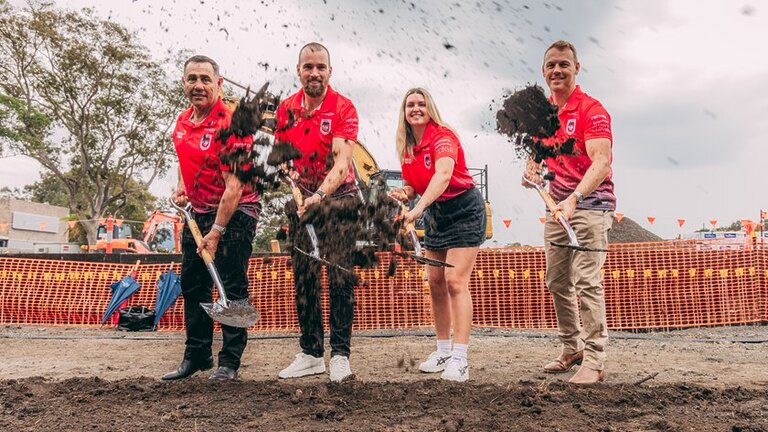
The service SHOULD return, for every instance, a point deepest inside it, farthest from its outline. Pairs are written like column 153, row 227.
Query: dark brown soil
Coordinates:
column 429, row 405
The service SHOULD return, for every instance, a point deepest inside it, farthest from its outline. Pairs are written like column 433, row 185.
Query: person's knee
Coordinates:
column 456, row 285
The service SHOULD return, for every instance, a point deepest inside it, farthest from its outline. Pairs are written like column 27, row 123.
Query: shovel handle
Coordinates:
column 198, row 236
column 556, row 213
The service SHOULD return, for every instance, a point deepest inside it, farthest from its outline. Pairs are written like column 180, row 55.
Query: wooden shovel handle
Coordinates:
column 198, row 236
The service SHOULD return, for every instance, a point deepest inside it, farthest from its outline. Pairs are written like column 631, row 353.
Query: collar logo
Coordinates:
column 570, row 127
column 205, row 141
column 325, row 126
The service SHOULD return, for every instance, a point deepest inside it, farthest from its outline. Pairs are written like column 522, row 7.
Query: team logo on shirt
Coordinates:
column 325, row 126
column 205, row 141
column 570, row 127
column 427, row 161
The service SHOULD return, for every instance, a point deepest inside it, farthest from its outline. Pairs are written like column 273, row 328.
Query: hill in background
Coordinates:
column 629, row 231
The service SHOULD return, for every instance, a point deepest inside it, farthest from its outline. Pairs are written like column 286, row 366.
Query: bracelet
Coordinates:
column 321, row 193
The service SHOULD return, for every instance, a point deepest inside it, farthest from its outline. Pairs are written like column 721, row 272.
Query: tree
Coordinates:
column 272, row 217
column 133, row 210
column 84, row 99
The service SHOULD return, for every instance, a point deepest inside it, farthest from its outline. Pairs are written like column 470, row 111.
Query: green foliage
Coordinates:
column 80, row 96
column 272, row 218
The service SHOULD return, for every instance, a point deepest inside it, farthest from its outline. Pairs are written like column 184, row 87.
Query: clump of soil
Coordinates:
column 528, row 118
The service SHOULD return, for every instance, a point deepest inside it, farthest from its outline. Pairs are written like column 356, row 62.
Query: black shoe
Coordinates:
column 224, row 373
column 187, row 368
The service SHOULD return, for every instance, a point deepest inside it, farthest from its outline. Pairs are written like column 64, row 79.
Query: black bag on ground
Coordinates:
column 136, row 318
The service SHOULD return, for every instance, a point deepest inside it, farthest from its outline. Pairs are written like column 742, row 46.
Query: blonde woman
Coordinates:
column 435, row 170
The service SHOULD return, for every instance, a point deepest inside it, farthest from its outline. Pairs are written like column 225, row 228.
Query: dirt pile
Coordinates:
column 429, row 405
column 629, row 231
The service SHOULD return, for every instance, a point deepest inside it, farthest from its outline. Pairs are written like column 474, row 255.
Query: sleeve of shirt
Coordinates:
column 446, row 145
column 348, row 124
column 597, row 123
column 281, row 118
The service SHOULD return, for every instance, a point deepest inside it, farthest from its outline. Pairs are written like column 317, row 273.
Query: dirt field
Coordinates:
column 57, row 379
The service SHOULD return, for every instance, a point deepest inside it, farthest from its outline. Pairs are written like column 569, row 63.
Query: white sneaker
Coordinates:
column 435, row 362
column 303, row 365
column 340, row 369
column 456, row 370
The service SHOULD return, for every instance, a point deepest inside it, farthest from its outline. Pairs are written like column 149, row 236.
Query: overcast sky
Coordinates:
column 683, row 81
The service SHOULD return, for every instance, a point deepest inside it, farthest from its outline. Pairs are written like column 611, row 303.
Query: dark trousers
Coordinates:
column 232, row 257
column 336, row 243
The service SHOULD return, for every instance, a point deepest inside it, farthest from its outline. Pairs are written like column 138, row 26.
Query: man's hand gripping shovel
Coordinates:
column 559, row 217
column 315, row 254
column 235, row 313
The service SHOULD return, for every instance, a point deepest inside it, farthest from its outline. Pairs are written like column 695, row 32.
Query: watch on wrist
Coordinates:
column 320, row 193
column 579, row 196
column 219, row 228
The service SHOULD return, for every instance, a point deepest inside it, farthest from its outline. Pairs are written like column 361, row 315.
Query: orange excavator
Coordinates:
column 122, row 240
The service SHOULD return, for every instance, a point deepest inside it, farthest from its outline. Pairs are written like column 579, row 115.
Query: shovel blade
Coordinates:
column 429, row 261
column 238, row 313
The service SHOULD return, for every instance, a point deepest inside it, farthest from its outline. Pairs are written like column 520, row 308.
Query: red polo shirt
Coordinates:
column 438, row 142
column 582, row 118
column 313, row 134
column 198, row 151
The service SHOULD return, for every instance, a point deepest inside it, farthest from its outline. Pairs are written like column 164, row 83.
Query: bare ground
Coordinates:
column 102, row 380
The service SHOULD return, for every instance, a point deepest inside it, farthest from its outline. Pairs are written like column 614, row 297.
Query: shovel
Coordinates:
column 235, row 313
column 418, row 256
column 561, row 220
column 315, row 253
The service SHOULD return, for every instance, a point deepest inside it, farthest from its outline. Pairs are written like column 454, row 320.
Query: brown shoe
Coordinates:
column 564, row 362
column 587, row 376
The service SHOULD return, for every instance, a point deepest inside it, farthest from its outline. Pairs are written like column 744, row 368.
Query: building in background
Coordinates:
column 27, row 226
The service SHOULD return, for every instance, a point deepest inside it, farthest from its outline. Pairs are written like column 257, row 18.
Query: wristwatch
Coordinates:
column 579, row 196
column 321, row 193
column 219, row 228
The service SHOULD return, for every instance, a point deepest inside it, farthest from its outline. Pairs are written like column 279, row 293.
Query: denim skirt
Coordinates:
column 457, row 222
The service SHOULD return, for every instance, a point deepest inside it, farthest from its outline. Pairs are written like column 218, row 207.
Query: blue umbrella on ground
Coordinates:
column 121, row 291
column 168, row 290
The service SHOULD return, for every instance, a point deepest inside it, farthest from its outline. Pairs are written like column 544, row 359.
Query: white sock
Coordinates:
column 460, row 352
column 444, row 346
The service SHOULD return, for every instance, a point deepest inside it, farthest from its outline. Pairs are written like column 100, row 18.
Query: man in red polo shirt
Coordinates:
column 323, row 125
column 225, row 209
column 583, row 189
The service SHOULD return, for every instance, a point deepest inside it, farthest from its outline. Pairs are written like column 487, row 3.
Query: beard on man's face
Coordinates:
column 314, row 91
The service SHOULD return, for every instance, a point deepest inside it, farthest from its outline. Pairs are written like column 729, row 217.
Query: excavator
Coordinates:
column 124, row 242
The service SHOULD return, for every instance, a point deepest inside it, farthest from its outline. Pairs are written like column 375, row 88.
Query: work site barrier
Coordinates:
column 647, row 286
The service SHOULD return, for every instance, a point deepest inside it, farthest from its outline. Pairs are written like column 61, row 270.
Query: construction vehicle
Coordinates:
column 123, row 241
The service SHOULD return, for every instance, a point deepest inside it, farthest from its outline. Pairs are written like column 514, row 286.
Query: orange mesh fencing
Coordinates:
column 647, row 285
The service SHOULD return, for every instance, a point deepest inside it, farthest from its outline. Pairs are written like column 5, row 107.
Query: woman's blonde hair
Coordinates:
column 405, row 140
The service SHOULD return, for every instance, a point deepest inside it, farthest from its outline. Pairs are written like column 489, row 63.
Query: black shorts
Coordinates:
column 457, row 222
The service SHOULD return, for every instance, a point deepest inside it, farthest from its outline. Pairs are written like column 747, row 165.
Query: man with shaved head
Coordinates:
column 323, row 125
column 583, row 190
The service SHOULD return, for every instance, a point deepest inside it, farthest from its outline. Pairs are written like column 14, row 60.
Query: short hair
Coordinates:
column 203, row 59
column 563, row 45
column 315, row 46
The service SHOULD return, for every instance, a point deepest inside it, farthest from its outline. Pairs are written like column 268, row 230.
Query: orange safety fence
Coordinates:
column 647, row 285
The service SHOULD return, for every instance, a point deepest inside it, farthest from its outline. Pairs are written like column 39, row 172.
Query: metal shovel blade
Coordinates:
column 578, row 247
column 425, row 260
column 237, row 313
column 321, row 260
